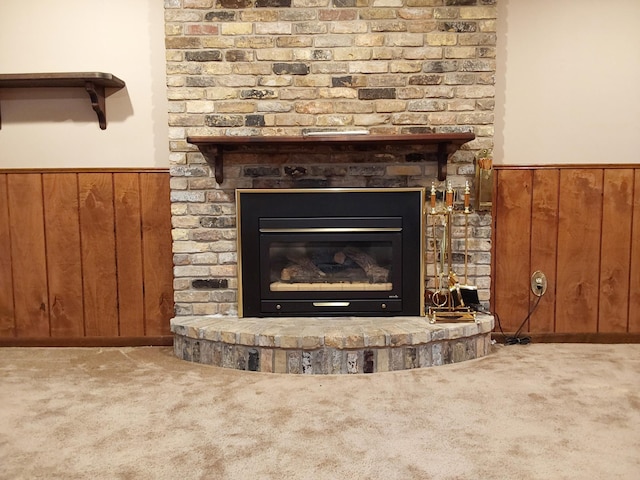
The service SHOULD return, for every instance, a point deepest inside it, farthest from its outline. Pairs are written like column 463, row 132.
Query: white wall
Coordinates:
column 568, row 82
column 56, row 128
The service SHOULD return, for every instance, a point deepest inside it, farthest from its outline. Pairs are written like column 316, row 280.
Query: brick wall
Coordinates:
column 283, row 67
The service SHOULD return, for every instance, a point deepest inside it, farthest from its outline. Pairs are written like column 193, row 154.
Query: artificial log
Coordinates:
column 301, row 270
column 375, row 273
column 297, row 273
column 305, row 262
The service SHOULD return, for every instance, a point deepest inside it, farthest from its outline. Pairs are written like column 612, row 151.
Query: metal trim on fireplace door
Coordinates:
column 327, row 230
column 239, row 288
column 239, row 191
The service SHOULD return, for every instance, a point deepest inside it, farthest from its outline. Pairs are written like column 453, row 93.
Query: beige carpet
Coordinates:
column 541, row 411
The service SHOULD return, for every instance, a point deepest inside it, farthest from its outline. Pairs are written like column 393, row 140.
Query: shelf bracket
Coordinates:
column 213, row 155
column 96, row 94
column 442, row 161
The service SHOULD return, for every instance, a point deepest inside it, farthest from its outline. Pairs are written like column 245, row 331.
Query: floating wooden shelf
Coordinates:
column 94, row 83
column 212, row 147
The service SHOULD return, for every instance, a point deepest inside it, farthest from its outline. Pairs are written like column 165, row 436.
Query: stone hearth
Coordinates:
column 339, row 345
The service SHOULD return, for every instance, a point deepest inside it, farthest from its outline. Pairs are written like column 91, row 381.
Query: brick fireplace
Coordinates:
column 283, row 68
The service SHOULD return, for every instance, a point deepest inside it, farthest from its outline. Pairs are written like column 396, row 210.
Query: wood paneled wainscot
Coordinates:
column 580, row 225
column 85, row 257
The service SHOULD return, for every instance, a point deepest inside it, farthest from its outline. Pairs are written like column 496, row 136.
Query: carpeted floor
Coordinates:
column 540, row 411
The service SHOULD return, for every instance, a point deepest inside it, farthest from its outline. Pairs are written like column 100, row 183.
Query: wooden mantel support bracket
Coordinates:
column 212, row 147
column 213, row 155
column 442, row 161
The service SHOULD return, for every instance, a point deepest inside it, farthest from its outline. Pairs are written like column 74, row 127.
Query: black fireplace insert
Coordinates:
column 330, row 252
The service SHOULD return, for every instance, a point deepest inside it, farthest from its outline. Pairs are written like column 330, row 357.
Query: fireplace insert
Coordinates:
column 330, row 252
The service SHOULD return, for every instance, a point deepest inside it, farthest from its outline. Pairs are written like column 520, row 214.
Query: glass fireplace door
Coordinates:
column 324, row 264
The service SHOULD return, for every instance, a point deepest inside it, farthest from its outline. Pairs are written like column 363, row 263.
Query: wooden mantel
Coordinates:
column 93, row 82
column 212, row 147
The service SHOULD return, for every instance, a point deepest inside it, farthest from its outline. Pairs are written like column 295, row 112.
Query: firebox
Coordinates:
column 330, row 252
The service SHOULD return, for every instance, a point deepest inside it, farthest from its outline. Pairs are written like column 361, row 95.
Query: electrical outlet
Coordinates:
column 538, row 283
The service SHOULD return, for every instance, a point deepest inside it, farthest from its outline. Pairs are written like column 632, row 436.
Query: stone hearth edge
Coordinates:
column 333, row 345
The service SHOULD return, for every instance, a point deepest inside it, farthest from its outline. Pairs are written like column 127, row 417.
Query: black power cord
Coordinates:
column 516, row 339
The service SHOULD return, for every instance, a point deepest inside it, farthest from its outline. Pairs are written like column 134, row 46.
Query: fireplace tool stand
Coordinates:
column 447, row 301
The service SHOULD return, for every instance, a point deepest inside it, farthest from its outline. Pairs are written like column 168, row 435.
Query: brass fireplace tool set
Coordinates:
column 450, row 301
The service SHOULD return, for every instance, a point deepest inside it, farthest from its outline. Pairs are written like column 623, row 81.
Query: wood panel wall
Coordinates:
column 580, row 225
column 85, row 257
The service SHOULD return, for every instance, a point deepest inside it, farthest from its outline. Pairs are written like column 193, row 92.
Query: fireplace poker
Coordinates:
column 467, row 200
column 435, row 256
column 436, row 296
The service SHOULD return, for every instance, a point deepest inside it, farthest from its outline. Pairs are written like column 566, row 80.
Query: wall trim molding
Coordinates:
column 155, row 341
column 556, row 166
column 87, row 170
column 573, row 337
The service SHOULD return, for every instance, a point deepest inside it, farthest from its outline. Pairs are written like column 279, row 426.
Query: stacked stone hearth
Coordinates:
column 329, row 345
column 286, row 67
